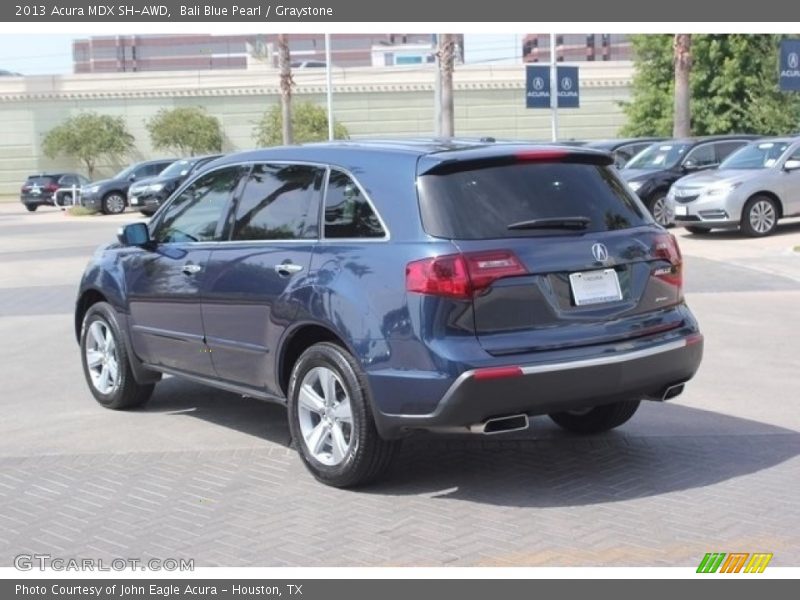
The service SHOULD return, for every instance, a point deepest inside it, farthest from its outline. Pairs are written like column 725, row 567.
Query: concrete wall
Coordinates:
column 391, row 101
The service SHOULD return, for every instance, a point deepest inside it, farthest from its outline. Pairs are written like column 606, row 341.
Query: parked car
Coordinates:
column 623, row 149
column 109, row 196
column 42, row 189
column 752, row 188
column 148, row 194
column 353, row 282
column 651, row 172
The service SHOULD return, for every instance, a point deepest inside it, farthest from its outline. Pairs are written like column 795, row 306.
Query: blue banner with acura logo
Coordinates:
column 537, row 86
column 790, row 66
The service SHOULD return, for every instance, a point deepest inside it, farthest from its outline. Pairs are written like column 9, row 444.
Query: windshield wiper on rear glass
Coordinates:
column 553, row 223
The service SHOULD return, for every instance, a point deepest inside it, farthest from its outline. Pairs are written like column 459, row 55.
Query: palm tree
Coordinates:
column 446, row 55
column 682, row 59
column 285, row 66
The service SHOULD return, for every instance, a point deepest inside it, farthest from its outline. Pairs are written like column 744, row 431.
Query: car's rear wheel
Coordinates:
column 759, row 216
column 597, row 419
column 657, row 205
column 105, row 361
column 64, row 200
column 113, row 203
column 330, row 418
column 31, row 207
column 695, row 230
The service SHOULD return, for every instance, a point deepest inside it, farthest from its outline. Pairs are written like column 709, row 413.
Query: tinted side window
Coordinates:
column 347, row 212
column 482, row 203
column 726, row 148
column 279, row 202
column 194, row 215
column 702, row 156
column 68, row 180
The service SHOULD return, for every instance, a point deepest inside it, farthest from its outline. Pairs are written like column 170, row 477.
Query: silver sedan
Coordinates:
column 753, row 188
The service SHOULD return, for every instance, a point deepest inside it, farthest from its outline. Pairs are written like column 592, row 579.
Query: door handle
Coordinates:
column 191, row 269
column 286, row 269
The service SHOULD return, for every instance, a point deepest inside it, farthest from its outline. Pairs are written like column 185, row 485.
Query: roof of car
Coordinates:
column 435, row 148
column 713, row 138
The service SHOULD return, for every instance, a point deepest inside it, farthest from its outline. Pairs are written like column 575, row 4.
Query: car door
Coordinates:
column 249, row 297
column 164, row 282
column 791, row 185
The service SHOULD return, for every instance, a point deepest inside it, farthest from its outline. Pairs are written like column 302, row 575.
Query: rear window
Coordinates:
column 39, row 180
column 482, row 203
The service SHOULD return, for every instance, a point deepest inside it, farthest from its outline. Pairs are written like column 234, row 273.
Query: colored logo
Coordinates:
column 734, row 562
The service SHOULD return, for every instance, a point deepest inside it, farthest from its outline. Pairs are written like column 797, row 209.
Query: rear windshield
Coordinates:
column 482, row 203
column 40, row 180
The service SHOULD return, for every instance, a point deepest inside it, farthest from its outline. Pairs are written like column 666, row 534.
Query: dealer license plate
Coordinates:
column 681, row 211
column 595, row 287
column 134, row 200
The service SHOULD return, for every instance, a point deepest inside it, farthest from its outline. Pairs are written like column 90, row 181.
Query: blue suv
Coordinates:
column 386, row 287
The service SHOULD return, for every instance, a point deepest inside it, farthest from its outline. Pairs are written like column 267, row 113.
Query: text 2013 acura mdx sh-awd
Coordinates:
column 381, row 288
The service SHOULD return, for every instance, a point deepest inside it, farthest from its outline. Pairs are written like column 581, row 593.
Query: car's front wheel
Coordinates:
column 330, row 418
column 760, row 216
column 658, row 208
column 31, row 207
column 113, row 203
column 597, row 419
column 105, row 361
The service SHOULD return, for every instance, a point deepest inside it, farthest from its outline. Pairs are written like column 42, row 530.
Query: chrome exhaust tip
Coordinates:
column 501, row 425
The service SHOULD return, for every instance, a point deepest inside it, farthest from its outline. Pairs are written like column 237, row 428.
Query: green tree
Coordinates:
column 188, row 130
column 88, row 137
column 309, row 124
column 734, row 87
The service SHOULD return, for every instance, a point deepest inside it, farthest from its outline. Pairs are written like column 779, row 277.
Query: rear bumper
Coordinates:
column 551, row 387
column 41, row 200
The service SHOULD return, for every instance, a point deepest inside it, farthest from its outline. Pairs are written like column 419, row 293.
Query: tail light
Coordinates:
column 51, row 187
column 461, row 275
column 666, row 247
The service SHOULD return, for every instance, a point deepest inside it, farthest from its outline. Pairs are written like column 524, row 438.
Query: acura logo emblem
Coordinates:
column 566, row 83
column 600, row 252
column 538, row 83
column 793, row 60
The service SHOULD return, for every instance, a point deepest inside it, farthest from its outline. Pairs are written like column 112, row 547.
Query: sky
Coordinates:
column 51, row 54
column 36, row 54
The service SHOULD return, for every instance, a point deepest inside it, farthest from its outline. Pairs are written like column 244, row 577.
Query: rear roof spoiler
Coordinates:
column 442, row 163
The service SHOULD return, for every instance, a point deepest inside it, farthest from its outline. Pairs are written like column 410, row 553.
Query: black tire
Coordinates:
column 657, row 205
column 128, row 393
column 65, row 200
column 597, row 419
column 147, row 212
column 113, row 203
column 749, row 223
column 31, row 207
column 368, row 456
column 695, row 230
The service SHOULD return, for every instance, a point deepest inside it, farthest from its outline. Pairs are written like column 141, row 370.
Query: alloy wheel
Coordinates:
column 762, row 216
column 325, row 416
column 102, row 358
column 660, row 213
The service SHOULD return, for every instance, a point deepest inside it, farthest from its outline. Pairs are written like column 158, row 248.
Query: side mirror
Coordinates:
column 132, row 177
column 134, row 234
column 690, row 166
column 791, row 165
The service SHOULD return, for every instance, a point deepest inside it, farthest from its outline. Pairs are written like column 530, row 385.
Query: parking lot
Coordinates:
column 208, row 475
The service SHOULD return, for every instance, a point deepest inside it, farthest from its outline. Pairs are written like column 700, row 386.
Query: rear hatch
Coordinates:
column 39, row 187
column 559, row 253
